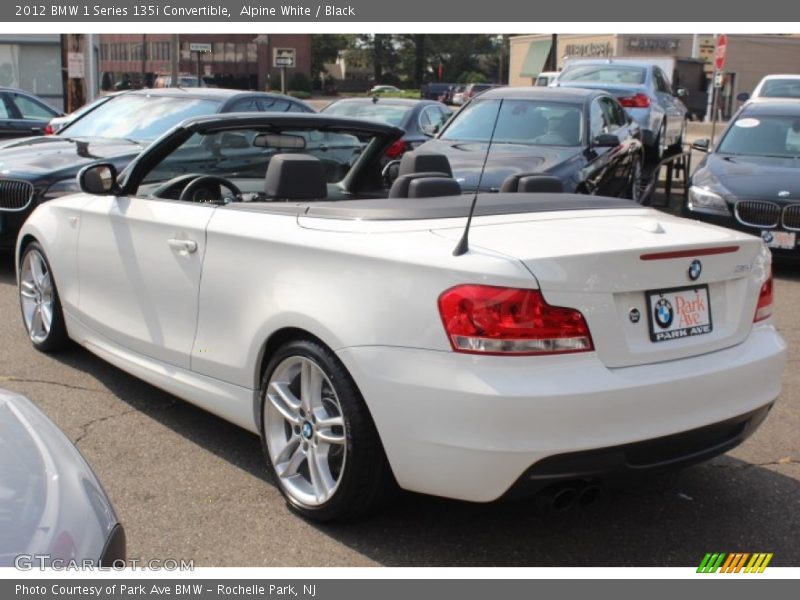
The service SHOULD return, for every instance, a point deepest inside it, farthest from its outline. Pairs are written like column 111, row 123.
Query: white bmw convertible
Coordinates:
column 260, row 267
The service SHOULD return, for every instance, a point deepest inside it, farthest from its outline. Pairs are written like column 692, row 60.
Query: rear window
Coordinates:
column 755, row 135
column 604, row 74
column 518, row 122
column 391, row 114
column 781, row 88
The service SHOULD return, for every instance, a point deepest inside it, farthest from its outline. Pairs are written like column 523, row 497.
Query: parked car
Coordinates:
column 458, row 98
column 420, row 119
column 473, row 89
column 545, row 78
column 256, row 265
column 581, row 136
column 51, row 503
column 645, row 92
column 56, row 124
column 751, row 180
column 23, row 114
column 185, row 80
column 39, row 169
column 385, row 89
column 774, row 86
column 434, row 90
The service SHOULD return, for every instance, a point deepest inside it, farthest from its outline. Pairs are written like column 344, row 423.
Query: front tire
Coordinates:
column 658, row 150
column 636, row 184
column 40, row 302
column 318, row 437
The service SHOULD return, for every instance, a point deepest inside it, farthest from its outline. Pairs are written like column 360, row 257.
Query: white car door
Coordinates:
column 139, row 265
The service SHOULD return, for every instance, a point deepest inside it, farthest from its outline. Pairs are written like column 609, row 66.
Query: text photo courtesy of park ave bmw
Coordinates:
column 294, row 285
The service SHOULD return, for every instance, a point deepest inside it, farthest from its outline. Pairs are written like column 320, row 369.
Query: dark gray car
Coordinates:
column 52, row 507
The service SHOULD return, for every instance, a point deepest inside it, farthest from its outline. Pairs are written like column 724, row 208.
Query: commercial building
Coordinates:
column 33, row 63
column 748, row 57
column 243, row 61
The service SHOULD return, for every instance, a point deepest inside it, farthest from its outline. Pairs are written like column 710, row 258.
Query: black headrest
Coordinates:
column 428, row 187
column 532, row 184
column 295, row 177
column 401, row 184
column 424, row 162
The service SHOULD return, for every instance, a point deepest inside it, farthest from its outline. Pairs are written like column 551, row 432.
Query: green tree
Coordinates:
column 325, row 49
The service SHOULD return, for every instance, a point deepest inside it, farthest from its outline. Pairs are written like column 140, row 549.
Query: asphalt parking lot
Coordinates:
column 188, row 485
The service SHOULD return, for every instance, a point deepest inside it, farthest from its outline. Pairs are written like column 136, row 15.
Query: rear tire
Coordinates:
column 677, row 147
column 318, row 437
column 39, row 301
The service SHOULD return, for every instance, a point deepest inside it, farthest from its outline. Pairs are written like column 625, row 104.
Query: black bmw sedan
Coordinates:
column 36, row 169
column 751, row 180
column 582, row 137
column 420, row 119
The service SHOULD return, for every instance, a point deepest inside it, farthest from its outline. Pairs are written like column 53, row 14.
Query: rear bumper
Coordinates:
column 469, row 427
column 625, row 462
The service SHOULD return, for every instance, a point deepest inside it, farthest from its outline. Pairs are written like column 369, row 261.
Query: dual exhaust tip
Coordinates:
column 561, row 497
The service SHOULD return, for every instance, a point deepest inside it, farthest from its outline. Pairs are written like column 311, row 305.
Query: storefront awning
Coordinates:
column 535, row 59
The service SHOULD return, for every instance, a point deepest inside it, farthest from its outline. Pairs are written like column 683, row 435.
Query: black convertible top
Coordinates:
column 444, row 207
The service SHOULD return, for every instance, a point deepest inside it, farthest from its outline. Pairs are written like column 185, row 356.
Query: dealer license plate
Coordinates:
column 679, row 313
column 783, row 240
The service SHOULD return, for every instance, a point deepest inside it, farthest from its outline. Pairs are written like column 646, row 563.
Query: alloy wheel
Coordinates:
column 305, row 431
column 36, row 296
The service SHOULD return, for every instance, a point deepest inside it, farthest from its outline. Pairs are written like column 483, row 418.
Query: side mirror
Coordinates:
column 681, row 92
column 606, row 140
column 743, row 96
column 702, row 145
column 100, row 178
column 430, row 130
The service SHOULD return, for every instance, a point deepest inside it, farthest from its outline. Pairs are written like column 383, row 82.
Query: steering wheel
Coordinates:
column 206, row 181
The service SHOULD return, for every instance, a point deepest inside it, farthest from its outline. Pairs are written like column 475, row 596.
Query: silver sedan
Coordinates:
column 645, row 92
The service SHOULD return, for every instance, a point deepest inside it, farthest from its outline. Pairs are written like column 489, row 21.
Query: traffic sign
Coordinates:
column 284, row 57
column 196, row 47
column 719, row 54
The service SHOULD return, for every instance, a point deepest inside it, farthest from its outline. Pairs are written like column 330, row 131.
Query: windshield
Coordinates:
column 755, row 135
column 137, row 117
column 603, row 74
column 781, row 88
column 243, row 155
column 391, row 114
column 529, row 122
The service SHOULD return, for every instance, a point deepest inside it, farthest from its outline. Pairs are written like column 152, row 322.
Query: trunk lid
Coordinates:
column 606, row 264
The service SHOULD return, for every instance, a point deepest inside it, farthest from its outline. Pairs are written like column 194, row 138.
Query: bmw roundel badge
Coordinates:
column 663, row 313
column 695, row 269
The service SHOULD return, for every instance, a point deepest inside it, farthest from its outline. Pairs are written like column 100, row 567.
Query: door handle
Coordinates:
column 183, row 247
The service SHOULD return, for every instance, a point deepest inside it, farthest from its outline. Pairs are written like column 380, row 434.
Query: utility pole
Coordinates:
column 91, row 68
column 144, row 60
column 174, row 56
column 501, row 59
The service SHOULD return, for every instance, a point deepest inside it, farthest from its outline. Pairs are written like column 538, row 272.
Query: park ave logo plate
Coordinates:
column 679, row 313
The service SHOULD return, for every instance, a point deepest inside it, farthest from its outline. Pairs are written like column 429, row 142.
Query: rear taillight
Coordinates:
column 482, row 319
column 637, row 101
column 48, row 130
column 397, row 149
column 764, row 306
